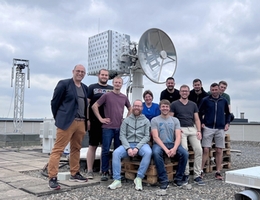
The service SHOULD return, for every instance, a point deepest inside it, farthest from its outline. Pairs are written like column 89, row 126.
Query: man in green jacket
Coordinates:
column 134, row 135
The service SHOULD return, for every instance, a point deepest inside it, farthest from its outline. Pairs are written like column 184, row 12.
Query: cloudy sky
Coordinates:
column 214, row 40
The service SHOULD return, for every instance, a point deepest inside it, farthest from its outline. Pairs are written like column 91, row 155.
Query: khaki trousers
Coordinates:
column 74, row 134
column 190, row 134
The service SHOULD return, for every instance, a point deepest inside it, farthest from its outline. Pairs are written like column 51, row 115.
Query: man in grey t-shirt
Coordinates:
column 166, row 134
column 187, row 112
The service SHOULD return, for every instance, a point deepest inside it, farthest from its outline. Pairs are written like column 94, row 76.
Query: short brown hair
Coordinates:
column 102, row 70
column 213, row 85
column 223, row 83
column 147, row 92
column 196, row 80
column 185, row 86
column 164, row 101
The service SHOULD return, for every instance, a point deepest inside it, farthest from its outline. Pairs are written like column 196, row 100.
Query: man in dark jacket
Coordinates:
column 198, row 93
column 68, row 106
column 134, row 135
column 215, row 120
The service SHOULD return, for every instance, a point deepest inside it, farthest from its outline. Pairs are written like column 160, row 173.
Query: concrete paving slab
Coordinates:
column 19, row 167
column 4, row 187
column 8, row 173
column 19, row 177
column 38, row 165
column 28, row 183
column 35, row 163
column 2, row 162
column 79, row 184
column 43, row 189
column 22, row 157
column 13, row 194
column 8, row 164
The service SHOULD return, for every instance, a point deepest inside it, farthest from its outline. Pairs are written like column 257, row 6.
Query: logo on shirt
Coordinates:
column 101, row 91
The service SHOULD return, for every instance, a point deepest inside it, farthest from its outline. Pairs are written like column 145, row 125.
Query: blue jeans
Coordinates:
column 107, row 136
column 145, row 151
column 182, row 156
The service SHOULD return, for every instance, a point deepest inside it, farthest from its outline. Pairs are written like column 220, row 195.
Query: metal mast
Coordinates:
column 18, row 66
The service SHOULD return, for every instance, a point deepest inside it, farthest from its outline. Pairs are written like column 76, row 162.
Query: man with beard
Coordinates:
column 134, row 135
column 95, row 91
column 198, row 93
column 114, row 103
column 170, row 93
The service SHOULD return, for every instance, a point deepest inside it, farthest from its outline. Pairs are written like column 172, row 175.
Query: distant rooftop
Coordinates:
column 25, row 120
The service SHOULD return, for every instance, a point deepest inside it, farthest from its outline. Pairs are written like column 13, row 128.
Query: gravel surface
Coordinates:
column 214, row 189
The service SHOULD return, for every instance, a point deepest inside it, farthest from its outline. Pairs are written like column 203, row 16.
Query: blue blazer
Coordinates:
column 64, row 103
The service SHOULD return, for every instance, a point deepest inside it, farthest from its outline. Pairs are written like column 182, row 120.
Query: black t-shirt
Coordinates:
column 170, row 96
column 95, row 91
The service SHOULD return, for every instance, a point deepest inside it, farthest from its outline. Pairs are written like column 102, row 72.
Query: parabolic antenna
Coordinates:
column 157, row 55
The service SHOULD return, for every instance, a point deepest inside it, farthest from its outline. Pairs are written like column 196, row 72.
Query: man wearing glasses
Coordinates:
column 68, row 106
column 134, row 135
column 187, row 113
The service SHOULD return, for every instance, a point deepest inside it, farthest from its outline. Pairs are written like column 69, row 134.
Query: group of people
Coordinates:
column 179, row 118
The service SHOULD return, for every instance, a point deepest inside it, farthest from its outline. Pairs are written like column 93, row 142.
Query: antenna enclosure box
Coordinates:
column 105, row 51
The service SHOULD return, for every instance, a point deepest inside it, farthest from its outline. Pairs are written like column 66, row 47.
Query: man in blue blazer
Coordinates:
column 69, row 105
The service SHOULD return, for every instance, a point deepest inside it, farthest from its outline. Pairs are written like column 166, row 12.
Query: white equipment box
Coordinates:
column 248, row 177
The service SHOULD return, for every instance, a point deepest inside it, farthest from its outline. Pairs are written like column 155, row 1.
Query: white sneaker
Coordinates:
column 138, row 183
column 115, row 184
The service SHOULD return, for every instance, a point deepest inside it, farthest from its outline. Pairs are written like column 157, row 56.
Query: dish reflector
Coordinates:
column 157, row 55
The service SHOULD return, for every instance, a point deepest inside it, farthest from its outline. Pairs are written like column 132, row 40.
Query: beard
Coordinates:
column 103, row 82
column 137, row 112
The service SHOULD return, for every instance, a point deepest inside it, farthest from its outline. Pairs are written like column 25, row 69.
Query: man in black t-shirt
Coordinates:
column 170, row 93
column 94, row 125
column 198, row 93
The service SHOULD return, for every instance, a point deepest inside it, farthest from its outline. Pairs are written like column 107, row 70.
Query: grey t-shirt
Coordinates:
column 166, row 128
column 81, row 102
column 185, row 113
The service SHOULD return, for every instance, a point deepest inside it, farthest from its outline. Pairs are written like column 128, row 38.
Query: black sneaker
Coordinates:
column 199, row 181
column 164, row 185
column 104, row 176
column 179, row 183
column 78, row 178
column 53, row 184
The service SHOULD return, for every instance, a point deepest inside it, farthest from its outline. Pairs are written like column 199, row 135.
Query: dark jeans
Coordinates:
column 107, row 136
column 182, row 156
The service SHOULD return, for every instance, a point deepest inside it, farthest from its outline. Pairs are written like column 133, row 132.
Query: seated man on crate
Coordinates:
column 134, row 135
column 166, row 133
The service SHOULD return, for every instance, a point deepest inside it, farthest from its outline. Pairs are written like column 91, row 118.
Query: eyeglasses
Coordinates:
column 137, row 106
column 184, row 91
column 79, row 71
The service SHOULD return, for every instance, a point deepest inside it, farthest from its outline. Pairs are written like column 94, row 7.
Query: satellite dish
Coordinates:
column 157, row 55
